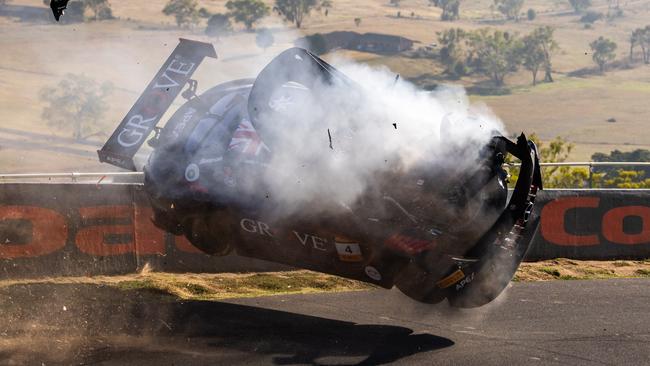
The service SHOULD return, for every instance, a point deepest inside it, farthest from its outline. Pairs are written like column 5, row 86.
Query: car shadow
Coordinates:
column 103, row 324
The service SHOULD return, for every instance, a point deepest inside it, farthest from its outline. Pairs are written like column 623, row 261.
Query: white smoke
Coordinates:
column 382, row 126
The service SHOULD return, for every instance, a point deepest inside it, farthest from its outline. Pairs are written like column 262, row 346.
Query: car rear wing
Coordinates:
column 145, row 114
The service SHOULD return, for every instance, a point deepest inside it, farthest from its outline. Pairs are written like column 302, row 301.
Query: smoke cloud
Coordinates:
column 330, row 143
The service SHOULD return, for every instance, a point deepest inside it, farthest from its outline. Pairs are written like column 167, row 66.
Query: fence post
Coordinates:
column 591, row 175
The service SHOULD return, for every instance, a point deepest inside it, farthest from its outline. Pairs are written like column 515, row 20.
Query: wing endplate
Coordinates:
column 145, row 114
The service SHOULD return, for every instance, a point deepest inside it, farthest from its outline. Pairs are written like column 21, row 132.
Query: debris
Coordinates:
column 330, row 137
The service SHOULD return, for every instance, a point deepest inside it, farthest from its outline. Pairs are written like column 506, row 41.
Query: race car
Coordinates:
column 435, row 232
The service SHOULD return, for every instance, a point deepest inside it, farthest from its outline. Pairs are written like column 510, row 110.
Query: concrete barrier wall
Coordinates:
column 592, row 224
column 85, row 229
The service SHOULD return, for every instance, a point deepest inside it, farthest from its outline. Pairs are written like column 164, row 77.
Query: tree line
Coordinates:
column 559, row 149
column 76, row 10
column 496, row 53
column 513, row 9
column 248, row 12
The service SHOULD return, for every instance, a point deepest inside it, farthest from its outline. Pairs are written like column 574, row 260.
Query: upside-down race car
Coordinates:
column 433, row 233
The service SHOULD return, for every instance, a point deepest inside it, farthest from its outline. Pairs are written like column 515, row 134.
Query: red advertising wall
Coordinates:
column 84, row 229
column 593, row 224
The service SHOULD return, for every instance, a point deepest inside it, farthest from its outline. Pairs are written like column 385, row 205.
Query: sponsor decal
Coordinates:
column 104, row 230
column 192, row 173
column 613, row 227
column 135, row 129
column 348, row 250
column 465, row 281
column 256, row 227
column 408, row 245
column 317, row 243
column 179, row 127
column 154, row 101
column 451, row 279
column 373, row 273
column 261, row 228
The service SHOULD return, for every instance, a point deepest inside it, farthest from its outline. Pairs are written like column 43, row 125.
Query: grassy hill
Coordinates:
column 128, row 50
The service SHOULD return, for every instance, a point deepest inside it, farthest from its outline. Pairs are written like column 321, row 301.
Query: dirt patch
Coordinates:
column 217, row 286
column 567, row 269
column 208, row 286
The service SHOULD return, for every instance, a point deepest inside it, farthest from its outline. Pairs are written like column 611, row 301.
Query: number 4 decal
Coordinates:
column 348, row 250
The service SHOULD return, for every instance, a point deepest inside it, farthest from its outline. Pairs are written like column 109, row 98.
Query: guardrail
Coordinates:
column 73, row 176
column 76, row 176
column 591, row 165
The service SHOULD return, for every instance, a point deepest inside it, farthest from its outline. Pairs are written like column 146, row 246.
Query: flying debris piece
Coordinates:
column 58, row 6
column 435, row 231
column 329, row 135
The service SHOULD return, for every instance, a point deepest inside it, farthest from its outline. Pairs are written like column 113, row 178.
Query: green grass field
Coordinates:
column 127, row 51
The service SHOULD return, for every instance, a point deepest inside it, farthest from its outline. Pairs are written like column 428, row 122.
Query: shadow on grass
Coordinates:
column 105, row 324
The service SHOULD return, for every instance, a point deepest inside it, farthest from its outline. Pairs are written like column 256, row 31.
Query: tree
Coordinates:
column 316, row 43
column 100, row 8
column 264, row 38
column 556, row 151
column 327, row 5
column 184, row 11
column 591, row 17
column 395, row 2
column 357, row 21
column 641, row 37
column 509, row 8
column 543, row 39
column 603, row 51
column 247, row 11
column 580, row 5
column 450, row 8
column 452, row 53
column 218, row 25
column 614, row 9
column 295, row 11
column 74, row 12
column 204, row 13
column 531, row 14
column 76, row 102
column 614, row 177
column 497, row 53
column 533, row 55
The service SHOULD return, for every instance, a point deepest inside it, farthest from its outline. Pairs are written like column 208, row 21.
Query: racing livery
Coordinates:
column 433, row 233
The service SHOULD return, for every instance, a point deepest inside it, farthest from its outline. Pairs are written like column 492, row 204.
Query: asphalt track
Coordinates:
column 605, row 322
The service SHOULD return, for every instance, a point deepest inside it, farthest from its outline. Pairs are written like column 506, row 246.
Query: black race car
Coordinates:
column 435, row 232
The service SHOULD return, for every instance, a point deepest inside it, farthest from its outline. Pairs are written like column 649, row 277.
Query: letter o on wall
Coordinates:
column 49, row 231
column 613, row 225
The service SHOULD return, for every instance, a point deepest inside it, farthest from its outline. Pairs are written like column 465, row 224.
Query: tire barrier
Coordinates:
column 87, row 229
